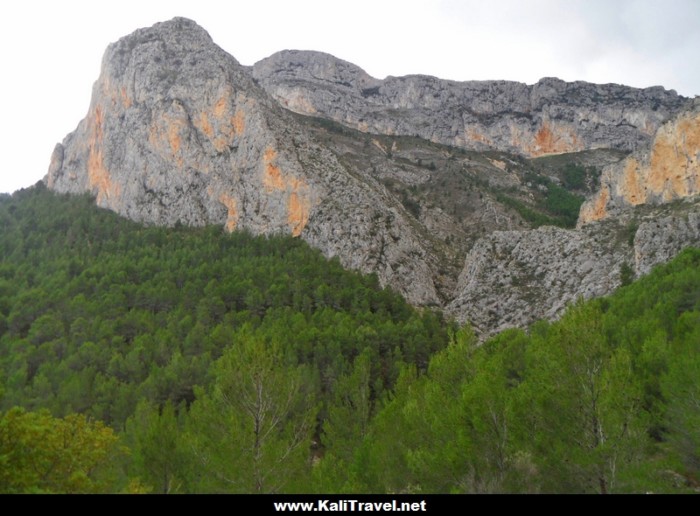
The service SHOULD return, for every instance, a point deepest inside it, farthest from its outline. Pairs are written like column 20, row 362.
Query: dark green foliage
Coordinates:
column 228, row 363
column 158, row 454
column 604, row 400
column 626, row 274
column 550, row 204
column 99, row 312
column 574, row 176
column 560, row 206
column 563, row 204
column 534, row 217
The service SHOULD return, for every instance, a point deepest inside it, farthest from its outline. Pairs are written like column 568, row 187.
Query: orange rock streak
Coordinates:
column 232, row 207
column 298, row 199
column 99, row 179
column 672, row 170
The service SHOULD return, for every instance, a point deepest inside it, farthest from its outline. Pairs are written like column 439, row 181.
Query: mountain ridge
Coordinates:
column 550, row 116
column 179, row 131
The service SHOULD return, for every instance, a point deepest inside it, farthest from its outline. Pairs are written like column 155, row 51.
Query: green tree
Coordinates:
column 585, row 417
column 417, row 442
column 626, row 274
column 349, row 414
column 159, row 457
column 43, row 454
column 252, row 433
column 682, row 392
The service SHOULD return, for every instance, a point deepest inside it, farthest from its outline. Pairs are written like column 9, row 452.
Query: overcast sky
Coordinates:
column 51, row 51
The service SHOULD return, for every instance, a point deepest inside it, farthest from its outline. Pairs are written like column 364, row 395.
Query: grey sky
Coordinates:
column 51, row 51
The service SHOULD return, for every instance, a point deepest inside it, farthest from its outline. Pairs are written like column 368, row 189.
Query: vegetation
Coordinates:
column 43, row 454
column 103, row 317
column 598, row 402
column 179, row 360
column 559, row 204
column 534, row 217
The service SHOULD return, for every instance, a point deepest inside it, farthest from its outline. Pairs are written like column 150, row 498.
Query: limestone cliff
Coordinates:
column 177, row 131
column 513, row 278
column 646, row 211
column 551, row 116
column 668, row 170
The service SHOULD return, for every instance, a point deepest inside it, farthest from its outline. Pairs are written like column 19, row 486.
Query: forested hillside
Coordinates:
column 99, row 314
column 603, row 400
column 144, row 359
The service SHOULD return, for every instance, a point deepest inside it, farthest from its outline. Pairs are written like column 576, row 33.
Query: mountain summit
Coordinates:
column 436, row 186
column 178, row 131
column 551, row 116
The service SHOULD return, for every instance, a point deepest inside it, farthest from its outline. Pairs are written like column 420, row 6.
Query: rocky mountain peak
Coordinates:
column 387, row 175
column 178, row 131
column 549, row 117
column 168, row 108
column 298, row 65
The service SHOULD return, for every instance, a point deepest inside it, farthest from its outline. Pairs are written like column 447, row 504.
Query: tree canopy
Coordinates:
column 176, row 360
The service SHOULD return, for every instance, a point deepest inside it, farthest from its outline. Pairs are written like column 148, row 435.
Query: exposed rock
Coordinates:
column 510, row 279
column 660, row 239
column 179, row 131
column 670, row 170
column 551, row 116
column 513, row 278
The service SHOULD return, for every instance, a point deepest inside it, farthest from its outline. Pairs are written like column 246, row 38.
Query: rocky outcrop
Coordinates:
column 513, row 278
column 660, row 239
column 669, row 170
column 551, row 116
column 177, row 131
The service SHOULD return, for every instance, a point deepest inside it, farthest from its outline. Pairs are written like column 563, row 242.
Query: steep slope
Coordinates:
column 177, row 131
column 645, row 212
column 551, row 116
column 98, row 312
column 669, row 170
column 513, row 278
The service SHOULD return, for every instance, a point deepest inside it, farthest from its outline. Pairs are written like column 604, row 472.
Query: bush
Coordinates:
column 574, row 177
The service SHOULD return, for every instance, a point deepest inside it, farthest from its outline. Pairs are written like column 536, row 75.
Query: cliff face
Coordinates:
column 669, row 170
column 513, row 278
column 549, row 117
column 179, row 131
column 175, row 131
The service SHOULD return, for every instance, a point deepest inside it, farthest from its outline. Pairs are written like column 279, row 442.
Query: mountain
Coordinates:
column 438, row 187
column 669, row 169
column 551, row 116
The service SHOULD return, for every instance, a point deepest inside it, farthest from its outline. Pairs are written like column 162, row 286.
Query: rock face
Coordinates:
column 162, row 139
column 179, row 131
column 513, row 278
column 670, row 170
column 551, row 116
